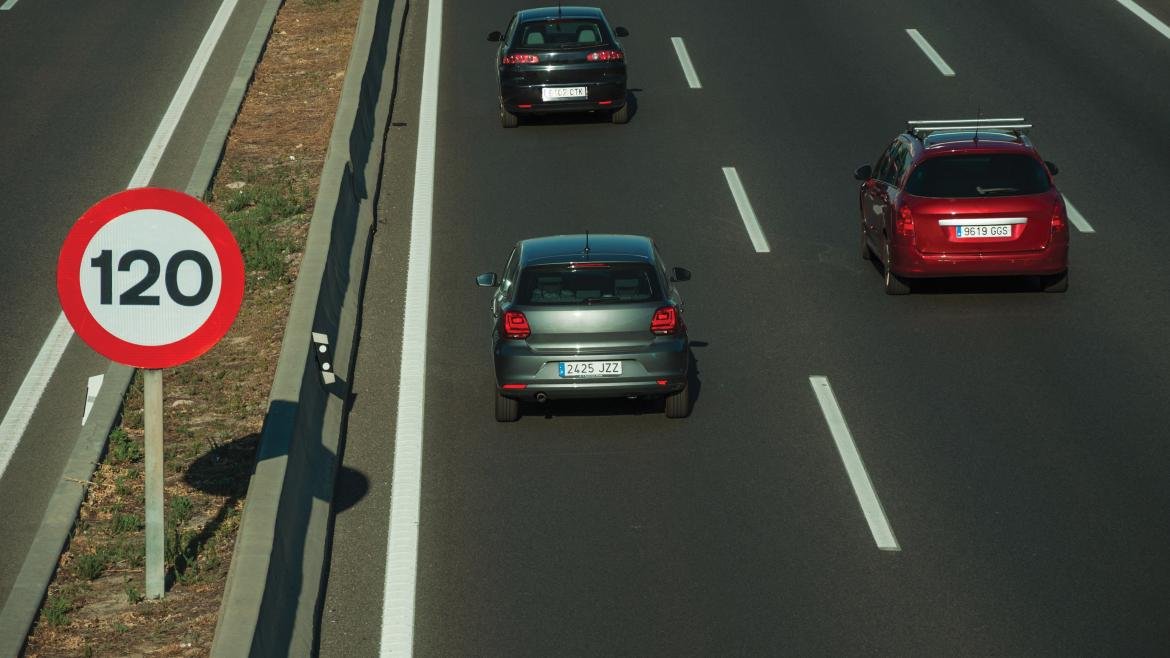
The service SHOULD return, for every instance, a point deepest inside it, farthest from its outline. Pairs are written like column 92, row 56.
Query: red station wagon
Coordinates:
column 967, row 197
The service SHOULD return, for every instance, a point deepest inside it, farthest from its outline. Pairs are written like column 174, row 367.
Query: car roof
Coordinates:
column 603, row 247
column 547, row 13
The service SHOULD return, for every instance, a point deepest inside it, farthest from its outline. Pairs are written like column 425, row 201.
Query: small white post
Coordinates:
column 153, row 420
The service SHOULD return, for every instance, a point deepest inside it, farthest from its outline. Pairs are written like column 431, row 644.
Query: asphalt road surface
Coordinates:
column 1016, row 440
column 83, row 87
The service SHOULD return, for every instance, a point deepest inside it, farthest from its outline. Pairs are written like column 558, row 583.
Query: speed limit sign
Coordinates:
column 150, row 278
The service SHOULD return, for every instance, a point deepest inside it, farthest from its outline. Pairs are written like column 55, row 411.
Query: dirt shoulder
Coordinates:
column 214, row 406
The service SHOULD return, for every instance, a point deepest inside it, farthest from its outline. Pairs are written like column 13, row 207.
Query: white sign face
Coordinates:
column 150, row 277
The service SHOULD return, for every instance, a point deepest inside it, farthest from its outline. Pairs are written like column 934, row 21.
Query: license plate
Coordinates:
column 590, row 368
column 988, row 231
column 562, row 93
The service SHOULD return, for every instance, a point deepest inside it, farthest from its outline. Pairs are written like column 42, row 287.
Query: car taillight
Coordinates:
column 905, row 222
column 520, row 58
column 1057, row 218
column 665, row 321
column 516, row 325
column 605, row 56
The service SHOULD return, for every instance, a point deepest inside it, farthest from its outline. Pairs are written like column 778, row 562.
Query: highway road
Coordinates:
column 1014, row 441
column 83, row 89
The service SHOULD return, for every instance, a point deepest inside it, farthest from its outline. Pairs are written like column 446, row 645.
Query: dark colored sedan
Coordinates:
column 561, row 59
column 588, row 316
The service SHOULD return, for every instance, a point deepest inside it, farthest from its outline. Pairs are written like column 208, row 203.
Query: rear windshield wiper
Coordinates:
column 601, row 300
column 995, row 190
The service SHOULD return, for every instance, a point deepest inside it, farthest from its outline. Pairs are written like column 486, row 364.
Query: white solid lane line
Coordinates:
column 28, row 396
column 684, row 59
column 1077, row 219
column 745, row 211
column 1146, row 16
column 398, row 591
column 931, row 53
column 871, row 506
column 170, row 120
column 20, row 412
column 8, row 5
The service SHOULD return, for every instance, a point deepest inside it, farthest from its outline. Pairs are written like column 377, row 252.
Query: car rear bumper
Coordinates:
column 910, row 263
column 528, row 99
column 662, row 368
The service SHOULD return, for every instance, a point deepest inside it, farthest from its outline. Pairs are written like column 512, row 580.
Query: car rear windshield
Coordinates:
column 997, row 174
column 592, row 283
column 575, row 33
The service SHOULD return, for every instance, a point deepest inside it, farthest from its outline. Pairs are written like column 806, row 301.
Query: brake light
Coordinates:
column 577, row 266
column 516, row 325
column 605, row 56
column 514, row 387
column 905, row 222
column 1057, row 218
column 520, row 58
column 665, row 321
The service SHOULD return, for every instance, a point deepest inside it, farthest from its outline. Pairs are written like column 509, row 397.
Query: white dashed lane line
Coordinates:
column 1146, row 16
column 746, row 211
column 871, row 506
column 1076, row 218
column 684, row 59
column 8, row 5
column 930, row 52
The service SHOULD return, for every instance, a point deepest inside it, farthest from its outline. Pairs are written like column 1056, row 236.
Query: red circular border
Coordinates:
column 231, row 264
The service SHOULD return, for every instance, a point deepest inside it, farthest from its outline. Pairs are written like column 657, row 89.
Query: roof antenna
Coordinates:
column 586, row 252
column 559, row 13
column 978, row 118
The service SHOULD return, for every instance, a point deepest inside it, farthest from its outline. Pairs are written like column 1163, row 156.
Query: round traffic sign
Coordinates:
column 150, row 277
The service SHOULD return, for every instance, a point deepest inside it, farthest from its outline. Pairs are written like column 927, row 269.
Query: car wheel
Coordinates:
column 895, row 285
column 621, row 115
column 507, row 409
column 678, row 404
column 508, row 120
column 1056, row 282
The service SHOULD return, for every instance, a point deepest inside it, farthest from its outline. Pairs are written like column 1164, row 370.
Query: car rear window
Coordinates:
column 576, row 33
column 592, row 283
column 976, row 175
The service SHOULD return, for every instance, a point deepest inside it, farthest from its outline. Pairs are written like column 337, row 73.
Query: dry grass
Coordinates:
column 214, row 406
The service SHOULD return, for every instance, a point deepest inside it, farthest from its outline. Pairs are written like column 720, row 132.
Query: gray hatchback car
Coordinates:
column 588, row 316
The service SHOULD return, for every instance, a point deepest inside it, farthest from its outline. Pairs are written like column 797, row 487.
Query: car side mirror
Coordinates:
column 863, row 173
column 621, row 32
column 487, row 280
column 1052, row 168
column 495, row 35
column 680, row 274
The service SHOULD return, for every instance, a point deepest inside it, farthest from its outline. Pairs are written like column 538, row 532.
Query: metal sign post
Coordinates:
column 151, row 278
column 155, row 537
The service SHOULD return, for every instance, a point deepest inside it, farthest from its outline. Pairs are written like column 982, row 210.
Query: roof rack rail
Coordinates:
column 921, row 128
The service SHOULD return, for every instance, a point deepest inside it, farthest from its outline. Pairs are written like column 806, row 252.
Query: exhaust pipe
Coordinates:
column 541, row 397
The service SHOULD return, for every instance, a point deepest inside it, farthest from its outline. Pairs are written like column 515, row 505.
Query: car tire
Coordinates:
column 621, row 115
column 507, row 409
column 895, row 285
column 678, row 404
column 1055, row 282
column 508, row 120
